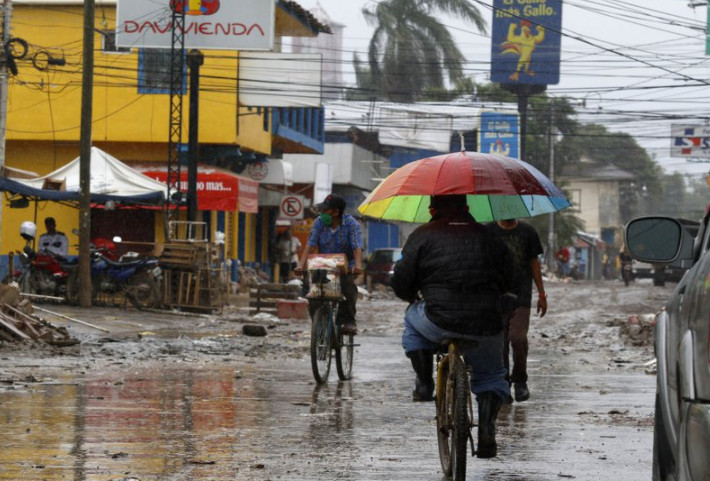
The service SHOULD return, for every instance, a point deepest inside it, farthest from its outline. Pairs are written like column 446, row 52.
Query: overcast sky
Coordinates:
column 638, row 65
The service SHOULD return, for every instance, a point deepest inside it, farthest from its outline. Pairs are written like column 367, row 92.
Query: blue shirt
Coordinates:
column 342, row 240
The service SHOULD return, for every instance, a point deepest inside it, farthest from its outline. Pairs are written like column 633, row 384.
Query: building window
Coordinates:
column 108, row 44
column 154, row 71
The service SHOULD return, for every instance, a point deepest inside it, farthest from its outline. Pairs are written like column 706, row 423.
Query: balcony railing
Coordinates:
column 297, row 130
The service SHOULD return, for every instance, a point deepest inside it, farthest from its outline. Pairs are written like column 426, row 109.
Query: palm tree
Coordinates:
column 410, row 50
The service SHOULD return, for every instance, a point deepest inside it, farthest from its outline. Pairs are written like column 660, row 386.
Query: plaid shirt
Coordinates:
column 343, row 240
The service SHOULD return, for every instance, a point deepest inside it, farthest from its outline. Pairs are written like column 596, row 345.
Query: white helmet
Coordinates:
column 28, row 230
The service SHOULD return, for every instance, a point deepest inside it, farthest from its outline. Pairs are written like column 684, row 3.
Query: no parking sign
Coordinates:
column 291, row 207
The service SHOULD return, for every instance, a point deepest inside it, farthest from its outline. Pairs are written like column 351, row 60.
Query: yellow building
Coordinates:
column 131, row 119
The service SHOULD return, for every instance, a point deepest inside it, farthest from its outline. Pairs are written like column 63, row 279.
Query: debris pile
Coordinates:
column 17, row 322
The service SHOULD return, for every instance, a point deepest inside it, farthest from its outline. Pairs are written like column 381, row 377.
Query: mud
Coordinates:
column 172, row 397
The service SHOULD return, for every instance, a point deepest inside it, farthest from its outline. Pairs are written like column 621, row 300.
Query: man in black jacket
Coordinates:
column 461, row 270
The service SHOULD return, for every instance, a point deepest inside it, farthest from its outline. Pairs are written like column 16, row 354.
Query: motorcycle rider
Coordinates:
column 53, row 241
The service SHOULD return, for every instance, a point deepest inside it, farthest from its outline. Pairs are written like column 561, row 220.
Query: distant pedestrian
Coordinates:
column 524, row 243
column 295, row 248
column 562, row 257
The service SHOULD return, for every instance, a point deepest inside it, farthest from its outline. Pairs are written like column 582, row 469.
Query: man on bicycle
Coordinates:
column 335, row 232
column 461, row 270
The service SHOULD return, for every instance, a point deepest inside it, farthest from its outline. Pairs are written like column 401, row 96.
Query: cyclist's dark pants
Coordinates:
column 346, row 308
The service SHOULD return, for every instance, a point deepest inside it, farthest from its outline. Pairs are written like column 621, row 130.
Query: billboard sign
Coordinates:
column 525, row 42
column 690, row 141
column 209, row 24
column 499, row 133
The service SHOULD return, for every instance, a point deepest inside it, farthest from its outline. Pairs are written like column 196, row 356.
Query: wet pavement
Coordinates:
column 174, row 416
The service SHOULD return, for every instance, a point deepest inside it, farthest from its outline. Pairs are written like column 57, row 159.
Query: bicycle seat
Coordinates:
column 461, row 343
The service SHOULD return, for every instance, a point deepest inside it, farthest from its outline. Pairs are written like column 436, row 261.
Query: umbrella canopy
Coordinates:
column 496, row 187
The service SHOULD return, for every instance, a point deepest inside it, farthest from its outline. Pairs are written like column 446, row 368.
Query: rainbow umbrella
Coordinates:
column 496, row 187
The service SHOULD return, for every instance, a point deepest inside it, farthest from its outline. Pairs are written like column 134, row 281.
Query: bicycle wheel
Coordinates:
column 344, row 356
column 444, row 416
column 461, row 423
column 321, row 344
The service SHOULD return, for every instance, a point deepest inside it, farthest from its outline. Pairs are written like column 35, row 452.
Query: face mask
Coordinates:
column 326, row 219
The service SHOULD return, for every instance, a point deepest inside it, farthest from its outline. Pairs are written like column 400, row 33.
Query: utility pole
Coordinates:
column 87, row 87
column 551, row 215
column 6, row 17
column 177, row 63
column 194, row 60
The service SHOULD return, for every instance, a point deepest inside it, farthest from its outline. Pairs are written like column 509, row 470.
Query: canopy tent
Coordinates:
column 217, row 189
column 111, row 180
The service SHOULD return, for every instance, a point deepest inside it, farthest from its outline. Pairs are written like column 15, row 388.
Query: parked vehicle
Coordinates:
column 682, row 345
column 380, row 266
column 138, row 278
column 43, row 272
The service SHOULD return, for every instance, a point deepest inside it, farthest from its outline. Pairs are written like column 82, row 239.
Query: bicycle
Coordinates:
column 454, row 408
column 326, row 336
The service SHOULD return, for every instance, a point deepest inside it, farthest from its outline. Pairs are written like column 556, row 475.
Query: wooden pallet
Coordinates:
column 199, row 289
column 183, row 256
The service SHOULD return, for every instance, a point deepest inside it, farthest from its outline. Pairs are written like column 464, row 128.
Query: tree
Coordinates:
column 411, row 51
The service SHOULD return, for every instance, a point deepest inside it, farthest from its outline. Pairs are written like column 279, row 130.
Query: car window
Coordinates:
column 386, row 257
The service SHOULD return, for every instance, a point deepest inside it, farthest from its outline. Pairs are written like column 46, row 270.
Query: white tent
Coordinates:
column 108, row 176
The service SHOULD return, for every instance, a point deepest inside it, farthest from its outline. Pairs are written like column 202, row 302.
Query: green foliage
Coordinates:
column 411, row 52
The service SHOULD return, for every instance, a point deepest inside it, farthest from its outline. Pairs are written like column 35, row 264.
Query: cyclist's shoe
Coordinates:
column 423, row 392
column 488, row 407
column 349, row 329
column 423, row 364
column 521, row 391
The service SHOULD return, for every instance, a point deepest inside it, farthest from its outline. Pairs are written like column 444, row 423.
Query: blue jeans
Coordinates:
column 486, row 359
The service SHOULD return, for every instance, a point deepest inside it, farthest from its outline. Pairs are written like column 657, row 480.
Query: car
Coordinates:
column 682, row 345
column 380, row 266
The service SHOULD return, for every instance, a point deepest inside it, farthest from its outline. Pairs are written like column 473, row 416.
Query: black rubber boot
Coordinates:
column 488, row 407
column 423, row 364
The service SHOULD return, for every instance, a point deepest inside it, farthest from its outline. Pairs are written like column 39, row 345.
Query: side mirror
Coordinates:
column 659, row 239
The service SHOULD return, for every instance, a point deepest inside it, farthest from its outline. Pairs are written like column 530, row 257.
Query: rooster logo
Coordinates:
column 499, row 149
column 195, row 7
column 523, row 45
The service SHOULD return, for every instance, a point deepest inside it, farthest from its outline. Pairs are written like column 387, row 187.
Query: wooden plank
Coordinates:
column 10, row 326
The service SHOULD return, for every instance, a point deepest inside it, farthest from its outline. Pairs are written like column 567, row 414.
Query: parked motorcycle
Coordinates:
column 42, row 272
column 137, row 278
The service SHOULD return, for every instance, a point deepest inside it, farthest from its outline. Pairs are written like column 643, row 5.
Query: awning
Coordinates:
column 217, row 189
column 273, row 171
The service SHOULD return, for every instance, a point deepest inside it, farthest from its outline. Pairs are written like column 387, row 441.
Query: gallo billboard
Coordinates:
column 525, row 42
column 209, row 24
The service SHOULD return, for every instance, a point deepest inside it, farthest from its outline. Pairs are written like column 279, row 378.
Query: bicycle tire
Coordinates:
column 321, row 344
column 461, row 422
column 344, row 356
column 444, row 417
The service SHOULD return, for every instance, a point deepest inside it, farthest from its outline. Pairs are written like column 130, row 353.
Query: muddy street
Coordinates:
column 175, row 397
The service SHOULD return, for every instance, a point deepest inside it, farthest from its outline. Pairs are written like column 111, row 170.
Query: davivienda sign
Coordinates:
column 209, row 24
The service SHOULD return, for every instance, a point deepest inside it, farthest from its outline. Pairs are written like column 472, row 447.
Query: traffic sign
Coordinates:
column 291, row 207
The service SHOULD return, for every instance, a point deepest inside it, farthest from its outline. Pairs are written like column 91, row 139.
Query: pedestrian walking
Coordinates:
column 524, row 243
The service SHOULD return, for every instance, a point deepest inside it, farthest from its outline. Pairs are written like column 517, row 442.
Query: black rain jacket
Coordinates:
column 461, row 269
